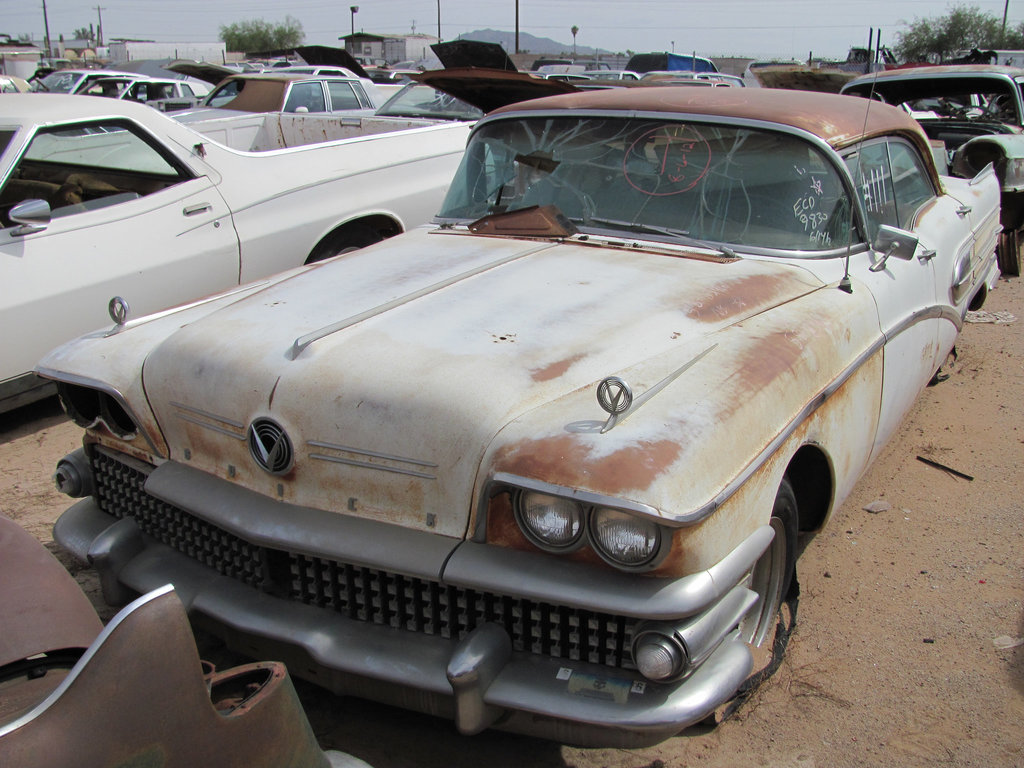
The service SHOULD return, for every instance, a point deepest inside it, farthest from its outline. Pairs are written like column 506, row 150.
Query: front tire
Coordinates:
column 773, row 573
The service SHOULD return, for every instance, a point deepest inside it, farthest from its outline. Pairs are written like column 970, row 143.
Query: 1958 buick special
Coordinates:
column 542, row 465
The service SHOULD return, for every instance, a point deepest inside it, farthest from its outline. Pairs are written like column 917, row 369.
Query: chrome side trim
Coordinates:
column 928, row 313
column 364, row 459
column 204, row 419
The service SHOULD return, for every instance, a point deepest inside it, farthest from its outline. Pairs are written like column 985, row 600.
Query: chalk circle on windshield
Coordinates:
column 667, row 160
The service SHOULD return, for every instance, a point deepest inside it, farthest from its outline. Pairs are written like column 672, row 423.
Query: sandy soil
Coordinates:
column 907, row 650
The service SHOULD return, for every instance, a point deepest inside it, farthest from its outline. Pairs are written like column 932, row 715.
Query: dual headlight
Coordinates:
column 88, row 407
column 559, row 524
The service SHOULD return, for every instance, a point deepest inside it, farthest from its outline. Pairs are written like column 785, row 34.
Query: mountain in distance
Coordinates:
column 530, row 44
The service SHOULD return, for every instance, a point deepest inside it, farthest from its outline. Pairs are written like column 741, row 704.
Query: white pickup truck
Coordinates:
column 101, row 198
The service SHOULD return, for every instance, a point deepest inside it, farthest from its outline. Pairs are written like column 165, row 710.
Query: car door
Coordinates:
column 127, row 219
column 916, row 315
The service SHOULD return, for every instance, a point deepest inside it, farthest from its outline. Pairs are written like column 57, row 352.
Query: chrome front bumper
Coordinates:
column 479, row 681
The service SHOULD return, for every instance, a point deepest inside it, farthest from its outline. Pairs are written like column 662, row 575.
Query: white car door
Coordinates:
column 127, row 220
column 914, row 307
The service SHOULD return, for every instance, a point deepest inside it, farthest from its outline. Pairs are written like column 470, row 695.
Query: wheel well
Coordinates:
column 979, row 299
column 810, row 473
column 355, row 234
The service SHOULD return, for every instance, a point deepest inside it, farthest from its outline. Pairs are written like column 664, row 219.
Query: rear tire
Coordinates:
column 1008, row 253
column 773, row 573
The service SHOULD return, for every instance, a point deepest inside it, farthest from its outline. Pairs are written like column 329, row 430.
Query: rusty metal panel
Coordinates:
column 41, row 605
column 139, row 697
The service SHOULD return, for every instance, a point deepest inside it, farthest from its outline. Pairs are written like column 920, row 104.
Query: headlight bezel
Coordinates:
column 588, row 503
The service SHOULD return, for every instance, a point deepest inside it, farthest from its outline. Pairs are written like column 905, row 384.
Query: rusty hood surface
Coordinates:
column 392, row 369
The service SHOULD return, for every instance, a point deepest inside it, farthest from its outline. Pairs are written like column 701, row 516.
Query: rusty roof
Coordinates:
column 838, row 120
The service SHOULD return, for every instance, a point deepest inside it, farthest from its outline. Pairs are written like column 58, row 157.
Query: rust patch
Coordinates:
column 554, row 370
column 731, row 298
column 563, row 460
column 769, row 358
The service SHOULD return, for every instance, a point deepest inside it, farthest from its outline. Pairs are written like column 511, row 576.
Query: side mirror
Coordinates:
column 891, row 241
column 33, row 215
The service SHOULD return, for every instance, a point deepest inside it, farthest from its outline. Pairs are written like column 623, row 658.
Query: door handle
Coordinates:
column 192, row 210
column 963, row 210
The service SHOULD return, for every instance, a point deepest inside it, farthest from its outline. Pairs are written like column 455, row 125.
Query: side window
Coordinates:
column 84, row 167
column 893, row 182
column 911, row 183
column 225, row 94
column 869, row 167
column 342, row 96
column 309, row 97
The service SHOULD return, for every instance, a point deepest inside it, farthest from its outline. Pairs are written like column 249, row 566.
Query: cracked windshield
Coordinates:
column 666, row 180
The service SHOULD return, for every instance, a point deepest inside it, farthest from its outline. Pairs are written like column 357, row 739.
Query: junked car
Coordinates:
column 542, row 467
column 288, row 92
column 160, row 93
column 101, row 198
column 73, row 80
column 975, row 114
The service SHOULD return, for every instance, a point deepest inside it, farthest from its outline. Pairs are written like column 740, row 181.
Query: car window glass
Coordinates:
column 342, row 95
column 722, row 183
column 912, row 186
column 225, row 93
column 84, row 167
column 869, row 167
column 305, row 95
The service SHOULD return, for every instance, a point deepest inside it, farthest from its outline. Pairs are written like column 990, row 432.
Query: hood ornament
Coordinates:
column 119, row 312
column 615, row 396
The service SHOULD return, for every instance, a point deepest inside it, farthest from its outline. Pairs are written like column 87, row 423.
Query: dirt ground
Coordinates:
column 908, row 647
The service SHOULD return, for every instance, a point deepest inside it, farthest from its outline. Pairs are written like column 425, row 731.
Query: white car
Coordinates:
column 543, row 466
column 101, row 198
column 74, row 80
column 166, row 94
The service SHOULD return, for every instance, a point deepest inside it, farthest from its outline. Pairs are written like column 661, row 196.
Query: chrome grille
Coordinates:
column 362, row 594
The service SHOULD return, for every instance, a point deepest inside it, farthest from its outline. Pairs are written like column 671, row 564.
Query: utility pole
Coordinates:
column 46, row 25
column 99, row 30
column 439, row 21
column 517, row 26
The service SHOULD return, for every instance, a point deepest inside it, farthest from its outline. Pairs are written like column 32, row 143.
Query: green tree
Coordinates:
column 84, row 33
column 963, row 28
column 259, row 35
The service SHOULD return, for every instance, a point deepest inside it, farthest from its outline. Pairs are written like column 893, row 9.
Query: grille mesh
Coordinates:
column 362, row 594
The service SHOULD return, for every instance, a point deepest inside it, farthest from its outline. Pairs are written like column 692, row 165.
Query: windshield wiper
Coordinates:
column 653, row 229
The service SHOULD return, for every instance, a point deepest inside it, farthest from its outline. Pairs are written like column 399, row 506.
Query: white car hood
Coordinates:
column 415, row 353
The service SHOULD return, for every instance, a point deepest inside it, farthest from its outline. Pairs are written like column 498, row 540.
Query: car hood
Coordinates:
column 488, row 89
column 392, row 371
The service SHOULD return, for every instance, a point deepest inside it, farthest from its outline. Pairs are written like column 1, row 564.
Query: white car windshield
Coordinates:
column 661, row 177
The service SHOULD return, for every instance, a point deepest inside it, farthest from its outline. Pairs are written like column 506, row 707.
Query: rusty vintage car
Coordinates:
column 73, row 692
column 542, row 466
column 974, row 115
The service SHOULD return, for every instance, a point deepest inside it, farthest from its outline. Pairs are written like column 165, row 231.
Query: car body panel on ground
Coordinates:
column 76, row 692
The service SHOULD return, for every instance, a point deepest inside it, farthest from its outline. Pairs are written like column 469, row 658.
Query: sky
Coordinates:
column 751, row 28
